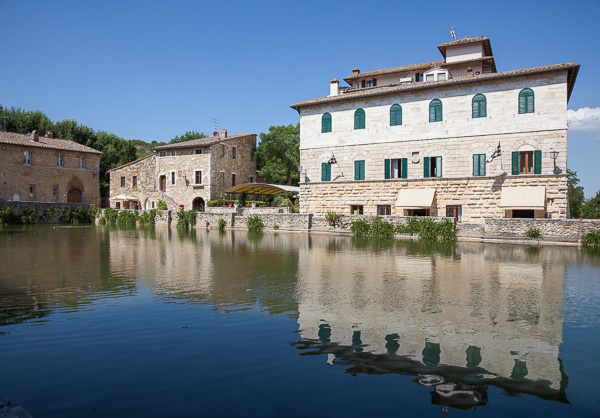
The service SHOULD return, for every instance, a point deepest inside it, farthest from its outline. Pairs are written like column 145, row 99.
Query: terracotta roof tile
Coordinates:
column 200, row 142
column 50, row 143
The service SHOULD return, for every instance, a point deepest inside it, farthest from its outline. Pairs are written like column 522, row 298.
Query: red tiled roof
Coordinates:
column 200, row 142
column 50, row 143
column 131, row 162
column 487, row 46
column 398, row 88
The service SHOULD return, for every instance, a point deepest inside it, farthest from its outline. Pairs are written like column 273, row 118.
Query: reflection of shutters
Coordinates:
column 515, row 163
column 404, row 168
column 426, row 167
column 438, row 166
column 537, row 162
column 386, row 168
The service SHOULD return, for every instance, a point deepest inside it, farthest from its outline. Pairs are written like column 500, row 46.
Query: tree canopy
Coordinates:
column 576, row 196
column 591, row 208
column 278, row 155
column 188, row 136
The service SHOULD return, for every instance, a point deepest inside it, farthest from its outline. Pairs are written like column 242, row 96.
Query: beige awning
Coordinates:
column 415, row 198
column 262, row 188
column 523, row 197
column 123, row 197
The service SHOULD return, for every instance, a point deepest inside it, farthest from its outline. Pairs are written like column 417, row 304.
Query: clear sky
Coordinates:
column 152, row 70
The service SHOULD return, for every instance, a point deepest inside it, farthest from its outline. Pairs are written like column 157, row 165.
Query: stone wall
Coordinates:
column 570, row 229
column 53, row 210
column 287, row 221
column 344, row 222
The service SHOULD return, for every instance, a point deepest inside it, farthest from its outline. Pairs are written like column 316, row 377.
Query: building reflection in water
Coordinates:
column 461, row 317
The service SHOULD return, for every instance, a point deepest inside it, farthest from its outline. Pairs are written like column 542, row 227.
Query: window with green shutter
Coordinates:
column 537, row 162
column 386, row 168
column 396, row 115
column 359, row 119
column 396, row 168
column 526, row 101
column 359, row 170
column 435, row 111
column 326, row 123
column 432, row 167
column 404, row 168
column 426, row 172
column 526, row 162
column 478, row 165
column 479, row 106
column 325, row 172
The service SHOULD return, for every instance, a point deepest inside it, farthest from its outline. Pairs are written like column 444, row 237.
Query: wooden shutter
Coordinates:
column 431, row 113
column 326, row 123
column 435, row 111
column 386, row 168
column 417, row 76
column 537, row 162
column 364, row 83
column 438, row 166
column 374, row 82
column 359, row 119
column 362, row 169
column 530, row 103
column 325, row 172
column 479, row 106
column 475, row 161
column 395, row 115
column 515, row 163
column 482, row 164
column 526, row 101
column 426, row 167
column 356, row 170
column 404, row 168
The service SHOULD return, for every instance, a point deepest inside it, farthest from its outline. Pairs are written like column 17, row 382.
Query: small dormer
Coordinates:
column 436, row 74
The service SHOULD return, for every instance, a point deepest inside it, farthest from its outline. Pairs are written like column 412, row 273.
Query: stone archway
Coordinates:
column 198, row 204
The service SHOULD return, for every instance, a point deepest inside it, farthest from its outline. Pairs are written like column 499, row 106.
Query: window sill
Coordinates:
column 198, row 186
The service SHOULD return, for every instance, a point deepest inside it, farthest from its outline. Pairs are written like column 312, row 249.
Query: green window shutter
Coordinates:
column 323, row 172
column 438, row 166
column 359, row 119
column 374, row 82
column 417, row 76
column 356, row 170
column 395, row 115
column 404, row 168
column 530, row 104
column 386, row 169
column 362, row 170
column 482, row 164
column 475, row 165
column 479, row 106
column 537, row 162
column 435, row 111
column 326, row 123
column 479, row 165
column 426, row 167
column 526, row 101
column 515, row 163
column 364, row 83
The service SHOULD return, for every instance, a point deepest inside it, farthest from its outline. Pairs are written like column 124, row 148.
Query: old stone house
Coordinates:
column 447, row 138
column 186, row 173
column 45, row 169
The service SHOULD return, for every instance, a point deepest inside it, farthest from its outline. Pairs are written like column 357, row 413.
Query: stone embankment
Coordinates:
column 52, row 211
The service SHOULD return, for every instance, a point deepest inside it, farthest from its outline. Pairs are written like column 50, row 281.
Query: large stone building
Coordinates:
column 186, row 173
column 45, row 169
column 426, row 139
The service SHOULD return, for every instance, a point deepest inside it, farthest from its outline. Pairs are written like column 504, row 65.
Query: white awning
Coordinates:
column 415, row 198
column 523, row 198
column 123, row 197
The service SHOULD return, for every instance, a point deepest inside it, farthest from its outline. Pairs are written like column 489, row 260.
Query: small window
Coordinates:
column 134, row 181
column 251, row 179
column 435, row 111
column 122, row 181
column 359, row 170
column 526, row 101
column 198, row 151
column 81, row 162
column 396, row 115
column 396, row 168
column 478, row 165
column 162, row 154
column 359, row 119
column 432, row 167
column 197, row 177
column 55, row 193
column 153, row 204
column 326, row 123
column 356, row 209
column 60, row 161
column 118, row 205
column 384, row 210
column 429, row 77
column 173, row 153
column 454, row 212
column 172, row 178
column 527, row 162
column 479, row 106
column 441, row 76
column 234, row 152
column 325, row 172
column 32, row 192
column 232, row 179
column 27, row 158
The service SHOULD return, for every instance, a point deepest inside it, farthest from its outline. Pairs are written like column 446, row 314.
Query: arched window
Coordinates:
column 526, row 101
column 326, row 123
column 435, row 111
column 396, row 115
column 479, row 106
column 359, row 119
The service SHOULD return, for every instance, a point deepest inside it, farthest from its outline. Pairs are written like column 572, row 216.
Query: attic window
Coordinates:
column 436, row 75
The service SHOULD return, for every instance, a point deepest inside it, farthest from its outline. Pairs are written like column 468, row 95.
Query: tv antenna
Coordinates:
column 215, row 123
column 4, row 116
column 452, row 33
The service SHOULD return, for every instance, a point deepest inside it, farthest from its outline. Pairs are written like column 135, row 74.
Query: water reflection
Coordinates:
column 462, row 317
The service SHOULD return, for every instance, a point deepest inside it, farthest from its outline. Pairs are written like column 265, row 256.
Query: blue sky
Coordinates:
column 152, row 70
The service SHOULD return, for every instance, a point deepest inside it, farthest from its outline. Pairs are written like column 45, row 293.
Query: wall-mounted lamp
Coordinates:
column 554, row 156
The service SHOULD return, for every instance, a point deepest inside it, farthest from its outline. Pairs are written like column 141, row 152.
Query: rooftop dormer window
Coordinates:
column 369, row 83
column 436, row 74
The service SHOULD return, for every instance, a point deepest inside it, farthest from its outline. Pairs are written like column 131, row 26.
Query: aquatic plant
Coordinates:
column 221, row 224
column 148, row 218
column 332, row 217
column 534, row 233
column 28, row 216
column 127, row 218
column 186, row 219
column 161, row 205
column 591, row 239
column 429, row 230
column 254, row 223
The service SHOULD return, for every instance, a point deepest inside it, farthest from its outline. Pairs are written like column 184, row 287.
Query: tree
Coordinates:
column 188, row 136
column 591, row 208
column 576, row 196
column 278, row 154
column 21, row 121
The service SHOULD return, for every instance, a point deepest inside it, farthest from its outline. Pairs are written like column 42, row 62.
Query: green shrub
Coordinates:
column 127, row 218
column 77, row 215
column 533, row 233
column 221, row 224
column 7, row 217
column 241, row 199
column 275, row 227
column 591, row 239
column 429, row 230
column 360, row 228
column 148, row 218
column 446, row 230
column 93, row 211
column 49, row 213
column 110, row 216
column 28, row 216
column 380, row 229
column 254, row 223
column 331, row 217
column 161, row 205
column 186, row 219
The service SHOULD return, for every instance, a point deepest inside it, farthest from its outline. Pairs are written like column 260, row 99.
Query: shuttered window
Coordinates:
column 325, row 172
column 526, row 101
column 478, row 165
column 479, row 106
column 359, row 119
column 432, row 167
column 326, row 123
column 526, row 162
column 396, row 168
column 396, row 115
column 359, row 170
column 435, row 111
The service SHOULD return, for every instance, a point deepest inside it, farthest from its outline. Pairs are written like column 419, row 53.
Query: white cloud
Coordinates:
column 584, row 122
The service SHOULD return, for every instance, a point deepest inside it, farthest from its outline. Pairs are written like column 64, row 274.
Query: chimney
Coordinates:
column 334, row 87
column 355, row 71
column 35, row 136
column 215, row 133
column 49, row 134
column 469, row 72
column 224, row 133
